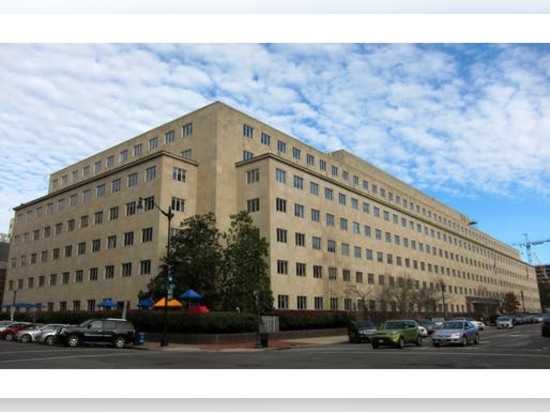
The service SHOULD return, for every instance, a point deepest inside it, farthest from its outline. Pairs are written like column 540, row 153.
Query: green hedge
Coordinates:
column 184, row 322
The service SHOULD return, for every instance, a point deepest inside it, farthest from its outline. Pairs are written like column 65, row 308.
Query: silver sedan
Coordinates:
column 456, row 332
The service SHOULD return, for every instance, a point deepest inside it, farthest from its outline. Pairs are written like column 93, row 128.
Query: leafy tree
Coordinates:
column 245, row 268
column 510, row 303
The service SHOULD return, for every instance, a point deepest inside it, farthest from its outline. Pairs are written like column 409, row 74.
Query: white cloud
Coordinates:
column 458, row 119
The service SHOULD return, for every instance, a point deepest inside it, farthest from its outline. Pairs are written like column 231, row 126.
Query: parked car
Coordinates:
column 428, row 324
column 535, row 318
column 505, row 322
column 27, row 335
column 361, row 330
column 48, row 333
column 5, row 323
column 31, row 334
column 115, row 332
column 10, row 331
column 423, row 331
column 438, row 321
column 479, row 324
column 452, row 332
column 545, row 327
column 397, row 333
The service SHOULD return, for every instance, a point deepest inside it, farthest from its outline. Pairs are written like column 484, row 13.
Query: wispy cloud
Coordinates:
column 454, row 119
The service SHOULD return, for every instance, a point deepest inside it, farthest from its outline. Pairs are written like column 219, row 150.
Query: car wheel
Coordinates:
column 375, row 345
column 464, row 341
column 419, row 341
column 9, row 336
column 73, row 341
column 26, row 338
column 401, row 343
column 476, row 339
column 119, row 342
column 50, row 340
column 436, row 344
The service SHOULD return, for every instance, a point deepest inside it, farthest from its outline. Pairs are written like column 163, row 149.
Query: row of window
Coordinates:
column 356, row 181
column 177, row 204
column 94, row 274
column 127, row 239
column 178, row 174
column 153, row 144
column 283, row 302
column 317, row 272
column 253, row 176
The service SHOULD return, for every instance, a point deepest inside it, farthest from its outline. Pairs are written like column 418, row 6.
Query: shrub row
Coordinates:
column 184, row 322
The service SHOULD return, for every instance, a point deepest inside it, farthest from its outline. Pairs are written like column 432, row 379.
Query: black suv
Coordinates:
column 115, row 332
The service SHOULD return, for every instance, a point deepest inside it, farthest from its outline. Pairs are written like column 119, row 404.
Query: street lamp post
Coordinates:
column 258, row 319
column 169, row 215
column 12, row 308
column 443, row 298
column 522, row 302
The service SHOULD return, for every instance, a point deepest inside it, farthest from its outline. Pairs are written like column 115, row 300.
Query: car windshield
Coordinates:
column 452, row 325
column 392, row 325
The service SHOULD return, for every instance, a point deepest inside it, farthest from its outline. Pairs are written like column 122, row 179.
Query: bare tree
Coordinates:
column 403, row 293
column 361, row 295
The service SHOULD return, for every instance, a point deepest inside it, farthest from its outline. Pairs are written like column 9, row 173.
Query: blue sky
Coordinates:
column 467, row 123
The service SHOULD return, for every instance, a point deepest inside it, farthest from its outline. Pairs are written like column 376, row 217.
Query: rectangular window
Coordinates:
column 123, row 156
column 265, row 139
column 187, row 129
column 317, row 272
column 299, row 210
column 346, row 275
column 248, row 131
column 345, row 249
column 314, row 188
column 113, row 213
column 111, row 242
column 81, row 249
column 126, row 269
column 334, row 170
column 79, row 276
column 332, row 273
column 132, row 179
column 115, row 185
column 300, row 239
column 131, row 208
column 128, row 238
column 253, row 205
column 53, row 279
column 281, row 235
column 65, row 278
column 247, row 155
column 138, row 150
column 280, row 205
column 358, row 277
column 145, row 267
column 83, row 221
column 328, row 193
column 280, row 176
column 98, row 218
column 281, row 146
column 282, row 301
column 178, row 174
column 187, row 154
column 343, row 224
column 147, row 234
column 296, row 153
column 94, row 274
column 153, row 143
column 150, row 173
column 315, row 215
column 96, row 245
column 316, row 242
column 300, row 269
column 318, row 302
column 333, row 303
column 178, row 204
column 331, row 246
column 301, row 302
column 100, row 191
column 68, row 251
column 329, row 219
column 322, row 165
column 298, row 182
column 169, row 137
column 310, row 160
column 97, row 167
column 282, row 267
column 253, row 176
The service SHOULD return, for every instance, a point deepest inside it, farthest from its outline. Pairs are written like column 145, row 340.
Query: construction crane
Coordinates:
column 527, row 244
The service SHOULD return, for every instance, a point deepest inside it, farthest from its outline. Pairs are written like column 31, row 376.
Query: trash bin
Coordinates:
column 264, row 339
column 140, row 338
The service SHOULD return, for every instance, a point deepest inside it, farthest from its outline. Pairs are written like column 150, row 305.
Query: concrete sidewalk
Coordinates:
column 248, row 346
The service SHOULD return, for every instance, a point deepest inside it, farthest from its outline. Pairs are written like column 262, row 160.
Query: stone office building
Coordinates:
column 334, row 222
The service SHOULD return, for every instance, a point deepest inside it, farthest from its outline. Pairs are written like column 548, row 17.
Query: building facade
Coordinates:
column 334, row 223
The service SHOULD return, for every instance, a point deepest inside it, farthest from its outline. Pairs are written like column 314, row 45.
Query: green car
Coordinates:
column 397, row 333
